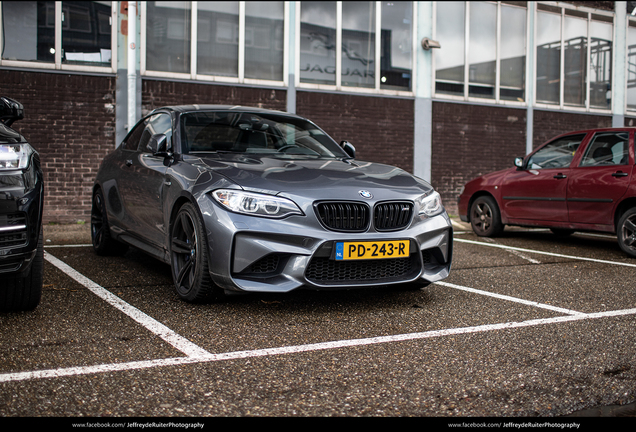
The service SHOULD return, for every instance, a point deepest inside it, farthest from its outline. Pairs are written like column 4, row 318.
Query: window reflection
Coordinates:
column 575, row 43
column 397, row 42
column 86, row 33
column 168, row 36
column 358, row 44
column 449, row 66
column 631, row 66
column 217, row 38
column 482, row 53
column 29, row 30
column 513, row 53
column 318, row 42
column 548, row 57
column 600, row 64
column 264, row 40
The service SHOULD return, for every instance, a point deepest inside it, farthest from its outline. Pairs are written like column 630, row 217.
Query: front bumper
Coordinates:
column 21, row 195
column 264, row 255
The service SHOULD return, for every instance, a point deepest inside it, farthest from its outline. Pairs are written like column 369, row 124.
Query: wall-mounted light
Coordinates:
column 427, row 44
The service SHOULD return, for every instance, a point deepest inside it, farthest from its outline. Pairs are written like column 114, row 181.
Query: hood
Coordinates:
column 317, row 178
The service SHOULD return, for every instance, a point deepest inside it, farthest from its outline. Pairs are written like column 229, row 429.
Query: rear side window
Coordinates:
column 558, row 154
column 607, row 148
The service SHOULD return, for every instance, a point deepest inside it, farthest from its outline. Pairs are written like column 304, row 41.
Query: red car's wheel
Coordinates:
column 626, row 232
column 485, row 217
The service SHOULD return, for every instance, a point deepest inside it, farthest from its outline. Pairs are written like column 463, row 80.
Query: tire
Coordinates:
column 562, row 232
column 485, row 217
column 189, row 258
column 626, row 232
column 24, row 292
column 103, row 243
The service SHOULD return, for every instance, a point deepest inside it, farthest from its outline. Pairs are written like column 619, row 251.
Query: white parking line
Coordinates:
column 196, row 354
column 179, row 342
column 516, row 253
column 84, row 370
column 512, row 299
column 579, row 258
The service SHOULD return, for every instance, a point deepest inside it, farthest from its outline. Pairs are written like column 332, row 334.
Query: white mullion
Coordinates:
column 58, row 34
column 194, row 30
column 286, row 31
column 378, row 42
column 466, row 46
column 414, row 27
column 113, row 36
column 143, row 37
column 562, row 61
column 339, row 45
column 498, row 52
column 297, row 47
column 588, row 62
column 241, row 42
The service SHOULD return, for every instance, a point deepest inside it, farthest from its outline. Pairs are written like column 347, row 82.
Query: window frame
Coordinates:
column 339, row 87
column 58, row 64
column 193, row 75
column 590, row 13
column 497, row 100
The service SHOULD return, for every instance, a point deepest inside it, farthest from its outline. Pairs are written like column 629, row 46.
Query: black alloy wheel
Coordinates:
column 485, row 217
column 189, row 258
column 626, row 232
column 103, row 243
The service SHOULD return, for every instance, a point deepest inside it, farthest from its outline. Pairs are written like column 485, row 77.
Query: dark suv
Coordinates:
column 21, row 195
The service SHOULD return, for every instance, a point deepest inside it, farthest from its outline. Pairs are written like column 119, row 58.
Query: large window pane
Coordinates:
column 513, row 53
column 217, row 38
column 86, row 28
column 575, row 42
column 318, row 42
column 168, row 36
column 358, row 44
column 397, row 45
column 29, row 30
column 449, row 63
column 600, row 64
column 264, row 40
column 482, row 52
column 548, row 39
column 631, row 66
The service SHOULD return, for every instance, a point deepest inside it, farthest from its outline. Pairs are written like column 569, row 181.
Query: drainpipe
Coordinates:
column 132, row 64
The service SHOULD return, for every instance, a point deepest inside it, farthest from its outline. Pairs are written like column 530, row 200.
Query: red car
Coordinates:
column 579, row 181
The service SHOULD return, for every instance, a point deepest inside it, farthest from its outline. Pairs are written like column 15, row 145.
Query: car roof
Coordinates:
column 211, row 107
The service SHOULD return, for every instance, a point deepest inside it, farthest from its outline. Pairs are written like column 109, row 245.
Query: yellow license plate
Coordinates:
column 372, row 250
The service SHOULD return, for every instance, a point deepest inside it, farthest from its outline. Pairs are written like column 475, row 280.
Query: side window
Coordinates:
column 608, row 148
column 557, row 154
column 156, row 124
column 132, row 140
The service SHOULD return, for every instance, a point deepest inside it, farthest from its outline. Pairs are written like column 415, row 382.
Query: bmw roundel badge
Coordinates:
column 365, row 194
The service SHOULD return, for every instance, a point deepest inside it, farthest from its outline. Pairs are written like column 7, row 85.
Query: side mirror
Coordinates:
column 158, row 145
column 10, row 111
column 519, row 162
column 348, row 148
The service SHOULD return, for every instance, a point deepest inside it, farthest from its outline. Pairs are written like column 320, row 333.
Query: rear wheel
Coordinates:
column 103, row 243
column 626, row 232
column 23, row 292
column 189, row 258
column 485, row 217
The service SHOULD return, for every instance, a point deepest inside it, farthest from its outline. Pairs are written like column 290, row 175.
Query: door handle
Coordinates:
column 620, row 174
column 560, row 176
column 128, row 162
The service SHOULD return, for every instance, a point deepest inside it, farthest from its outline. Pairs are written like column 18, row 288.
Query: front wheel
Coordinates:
column 485, row 217
column 189, row 258
column 626, row 232
column 103, row 243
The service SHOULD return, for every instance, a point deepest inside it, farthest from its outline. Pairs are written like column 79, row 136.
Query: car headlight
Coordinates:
column 14, row 156
column 255, row 204
column 430, row 205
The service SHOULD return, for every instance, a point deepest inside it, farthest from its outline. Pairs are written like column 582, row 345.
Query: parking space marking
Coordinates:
column 578, row 258
column 195, row 354
column 265, row 352
column 179, row 342
column 515, row 252
column 512, row 299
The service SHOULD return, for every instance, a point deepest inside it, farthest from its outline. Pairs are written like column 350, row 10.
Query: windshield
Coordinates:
column 241, row 132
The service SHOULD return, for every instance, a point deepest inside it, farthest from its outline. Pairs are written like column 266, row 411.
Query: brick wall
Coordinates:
column 156, row 93
column 70, row 120
column 380, row 128
column 472, row 140
column 548, row 124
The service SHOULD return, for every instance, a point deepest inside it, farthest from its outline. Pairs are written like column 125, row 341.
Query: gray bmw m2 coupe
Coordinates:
column 241, row 199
